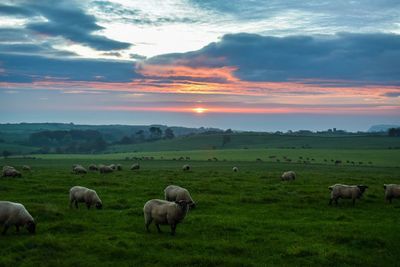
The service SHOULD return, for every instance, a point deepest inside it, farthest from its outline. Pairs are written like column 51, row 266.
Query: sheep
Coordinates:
column 289, row 175
column 176, row 193
column 164, row 212
column 135, row 166
column 113, row 167
column 8, row 167
column 391, row 191
column 119, row 167
column 11, row 172
column 186, row 167
column 26, row 168
column 15, row 214
column 346, row 191
column 93, row 167
column 80, row 170
column 235, row 169
column 105, row 169
column 86, row 195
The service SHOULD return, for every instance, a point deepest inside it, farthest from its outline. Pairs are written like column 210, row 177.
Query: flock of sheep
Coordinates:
column 170, row 211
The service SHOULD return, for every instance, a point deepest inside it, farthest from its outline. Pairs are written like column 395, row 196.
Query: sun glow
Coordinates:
column 199, row 110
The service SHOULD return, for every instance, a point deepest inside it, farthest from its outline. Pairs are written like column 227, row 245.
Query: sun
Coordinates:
column 199, row 110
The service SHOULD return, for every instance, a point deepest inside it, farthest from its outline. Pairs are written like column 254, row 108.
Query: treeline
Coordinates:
column 73, row 141
column 153, row 134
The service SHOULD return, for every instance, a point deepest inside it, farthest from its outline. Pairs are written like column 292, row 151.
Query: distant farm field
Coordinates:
column 249, row 218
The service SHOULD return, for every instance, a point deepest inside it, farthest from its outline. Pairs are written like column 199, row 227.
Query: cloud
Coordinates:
column 137, row 56
column 65, row 19
column 392, row 94
column 371, row 58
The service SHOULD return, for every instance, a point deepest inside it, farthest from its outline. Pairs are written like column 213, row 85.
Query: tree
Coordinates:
column 394, row 132
column 155, row 132
column 169, row 133
column 139, row 136
column 6, row 153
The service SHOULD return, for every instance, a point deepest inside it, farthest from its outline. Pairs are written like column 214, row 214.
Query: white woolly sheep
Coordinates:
column 235, row 169
column 288, row 176
column 164, row 212
column 93, row 167
column 105, row 169
column 15, row 214
column 11, row 172
column 176, row 193
column 186, row 167
column 8, row 168
column 391, row 191
column 80, row 170
column 135, row 166
column 346, row 191
column 26, row 168
column 78, row 194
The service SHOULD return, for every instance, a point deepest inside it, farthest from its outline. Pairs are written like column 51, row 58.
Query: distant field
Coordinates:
column 372, row 157
column 262, row 140
column 249, row 218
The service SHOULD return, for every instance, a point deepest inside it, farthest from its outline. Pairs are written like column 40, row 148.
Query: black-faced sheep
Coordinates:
column 391, row 191
column 78, row 194
column 93, row 167
column 15, row 214
column 176, row 193
column 164, row 212
column 119, row 167
column 346, row 191
column 235, row 169
column 186, row 167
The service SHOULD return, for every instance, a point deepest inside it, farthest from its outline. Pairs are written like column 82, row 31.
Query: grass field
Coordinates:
column 249, row 218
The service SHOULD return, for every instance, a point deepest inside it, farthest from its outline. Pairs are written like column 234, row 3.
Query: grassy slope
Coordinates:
column 248, row 218
column 254, row 140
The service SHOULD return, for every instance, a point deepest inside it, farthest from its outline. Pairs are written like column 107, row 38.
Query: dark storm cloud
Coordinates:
column 64, row 19
column 372, row 58
column 28, row 68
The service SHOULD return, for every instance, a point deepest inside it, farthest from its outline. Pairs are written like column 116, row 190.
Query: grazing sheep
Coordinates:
column 391, row 191
column 235, row 169
column 186, row 167
column 164, row 212
column 11, row 172
column 113, row 167
column 93, row 167
column 135, row 166
column 8, row 168
column 176, row 193
column 105, row 169
column 86, row 195
column 346, row 191
column 80, row 170
column 119, row 167
column 15, row 214
column 288, row 176
column 26, row 168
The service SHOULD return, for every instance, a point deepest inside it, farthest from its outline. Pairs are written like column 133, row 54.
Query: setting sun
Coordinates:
column 199, row 110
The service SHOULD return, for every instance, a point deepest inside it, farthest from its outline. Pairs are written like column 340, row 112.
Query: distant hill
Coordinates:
column 382, row 127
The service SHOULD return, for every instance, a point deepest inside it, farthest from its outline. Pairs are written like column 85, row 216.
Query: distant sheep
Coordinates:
column 105, row 169
column 391, row 191
column 346, row 191
column 79, row 194
column 288, row 176
column 164, row 212
column 15, row 214
column 26, row 168
column 186, row 167
column 11, row 172
column 235, row 169
column 176, row 193
column 93, row 167
column 80, row 170
column 135, row 166
column 8, row 167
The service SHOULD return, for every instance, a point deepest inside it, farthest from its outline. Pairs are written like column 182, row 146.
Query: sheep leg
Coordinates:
column 17, row 227
column 76, row 203
column 147, row 223
column 6, row 226
column 354, row 202
column 158, row 228
column 390, row 200
column 173, row 229
column 330, row 201
column 88, row 206
column 336, row 201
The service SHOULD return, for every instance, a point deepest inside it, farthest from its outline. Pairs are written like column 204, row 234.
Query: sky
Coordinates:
column 246, row 65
